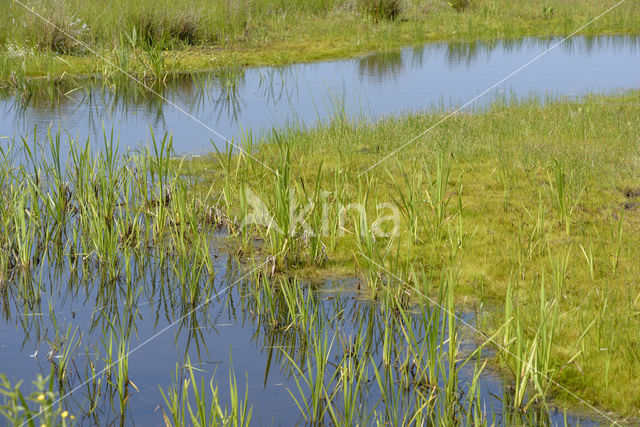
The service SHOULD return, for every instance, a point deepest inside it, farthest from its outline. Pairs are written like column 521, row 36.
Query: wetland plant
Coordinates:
column 409, row 200
column 530, row 358
column 313, row 379
column 39, row 408
column 381, row 9
column 561, row 186
column 437, row 198
column 191, row 403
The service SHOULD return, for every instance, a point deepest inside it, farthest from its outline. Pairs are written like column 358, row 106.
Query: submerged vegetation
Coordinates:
column 55, row 39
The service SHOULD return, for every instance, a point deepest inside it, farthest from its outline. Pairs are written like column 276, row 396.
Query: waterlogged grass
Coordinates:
column 531, row 208
column 149, row 38
column 123, row 236
column 91, row 218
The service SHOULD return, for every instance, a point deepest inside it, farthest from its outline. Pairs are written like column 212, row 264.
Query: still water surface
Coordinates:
column 439, row 75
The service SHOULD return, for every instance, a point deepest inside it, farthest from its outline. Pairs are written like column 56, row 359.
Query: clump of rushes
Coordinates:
column 61, row 31
column 530, row 359
column 281, row 229
column 100, row 211
column 381, row 9
column 157, row 27
column 187, row 401
column 460, row 5
column 438, row 197
column 313, row 378
column 408, row 199
column 561, row 187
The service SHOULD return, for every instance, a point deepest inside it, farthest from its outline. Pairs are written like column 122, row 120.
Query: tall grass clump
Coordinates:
column 381, row 9
column 460, row 5
column 160, row 27
column 530, row 357
column 100, row 210
column 565, row 202
column 190, row 402
column 61, row 31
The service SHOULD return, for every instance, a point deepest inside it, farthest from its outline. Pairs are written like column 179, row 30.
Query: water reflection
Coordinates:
column 232, row 99
column 470, row 53
column 254, row 325
column 463, row 53
column 382, row 66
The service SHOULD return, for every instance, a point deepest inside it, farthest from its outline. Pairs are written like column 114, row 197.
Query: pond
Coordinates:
column 439, row 75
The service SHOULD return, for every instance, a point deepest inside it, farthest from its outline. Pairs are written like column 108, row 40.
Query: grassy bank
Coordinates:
column 532, row 210
column 158, row 38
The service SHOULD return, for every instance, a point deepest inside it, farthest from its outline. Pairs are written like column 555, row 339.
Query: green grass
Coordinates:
column 537, row 198
column 180, row 35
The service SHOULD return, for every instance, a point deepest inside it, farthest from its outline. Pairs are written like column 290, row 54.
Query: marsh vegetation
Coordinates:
column 529, row 207
column 142, row 237
column 474, row 267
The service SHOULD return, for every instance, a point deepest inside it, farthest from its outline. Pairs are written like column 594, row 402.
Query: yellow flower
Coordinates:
column 64, row 414
column 40, row 397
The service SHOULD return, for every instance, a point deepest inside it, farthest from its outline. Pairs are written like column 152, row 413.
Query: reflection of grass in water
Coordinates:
column 278, row 83
column 220, row 87
column 160, row 72
column 381, row 65
column 228, row 80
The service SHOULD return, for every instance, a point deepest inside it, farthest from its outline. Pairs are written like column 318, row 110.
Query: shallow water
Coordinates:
column 223, row 334
column 438, row 75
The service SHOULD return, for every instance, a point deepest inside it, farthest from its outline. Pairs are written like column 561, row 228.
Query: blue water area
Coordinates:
column 210, row 108
column 223, row 332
